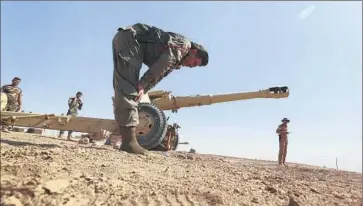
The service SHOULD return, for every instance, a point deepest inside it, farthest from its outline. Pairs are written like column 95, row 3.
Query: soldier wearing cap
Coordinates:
column 283, row 140
column 14, row 94
column 74, row 104
column 162, row 52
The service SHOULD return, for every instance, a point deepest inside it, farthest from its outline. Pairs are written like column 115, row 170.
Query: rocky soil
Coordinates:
column 37, row 170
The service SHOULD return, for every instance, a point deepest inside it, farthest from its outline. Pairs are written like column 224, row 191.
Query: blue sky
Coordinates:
column 59, row 48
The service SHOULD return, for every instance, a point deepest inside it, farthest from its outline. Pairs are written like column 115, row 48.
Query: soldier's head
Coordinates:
column 285, row 121
column 79, row 95
column 16, row 81
column 197, row 56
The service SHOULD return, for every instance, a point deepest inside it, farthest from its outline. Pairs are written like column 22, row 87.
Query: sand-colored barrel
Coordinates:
column 174, row 102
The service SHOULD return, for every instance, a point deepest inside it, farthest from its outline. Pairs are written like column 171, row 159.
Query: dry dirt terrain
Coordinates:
column 38, row 170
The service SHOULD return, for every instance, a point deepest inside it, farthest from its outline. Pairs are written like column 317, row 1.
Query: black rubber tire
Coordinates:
column 30, row 130
column 176, row 144
column 159, row 148
column 159, row 129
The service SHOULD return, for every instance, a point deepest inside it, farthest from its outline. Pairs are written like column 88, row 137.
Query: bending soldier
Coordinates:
column 283, row 140
column 162, row 52
column 14, row 94
column 74, row 104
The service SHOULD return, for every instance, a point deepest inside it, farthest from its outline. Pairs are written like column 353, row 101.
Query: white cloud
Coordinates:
column 307, row 11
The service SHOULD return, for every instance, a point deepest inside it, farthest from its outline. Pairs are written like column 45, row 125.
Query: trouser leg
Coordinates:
column 69, row 134
column 280, row 150
column 126, row 115
column 280, row 154
column 61, row 132
column 72, row 114
column 285, row 151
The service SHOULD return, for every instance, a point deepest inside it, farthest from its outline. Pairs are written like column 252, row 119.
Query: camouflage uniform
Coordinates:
column 74, row 105
column 283, row 141
column 13, row 93
column 132, row 46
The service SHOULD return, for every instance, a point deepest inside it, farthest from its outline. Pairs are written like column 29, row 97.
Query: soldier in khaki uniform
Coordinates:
column 283, row 140
column 162, row 52
column 14, row 94
column 14, row 98
column 74, row 104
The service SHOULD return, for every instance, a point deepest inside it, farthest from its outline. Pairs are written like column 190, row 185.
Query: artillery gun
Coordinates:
column 153, row 131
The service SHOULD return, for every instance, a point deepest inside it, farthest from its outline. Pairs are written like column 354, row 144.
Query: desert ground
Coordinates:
column 38, row 170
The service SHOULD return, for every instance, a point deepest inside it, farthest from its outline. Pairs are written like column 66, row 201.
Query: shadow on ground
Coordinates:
column 55, row 138
column 23, row 191
column 17, row 143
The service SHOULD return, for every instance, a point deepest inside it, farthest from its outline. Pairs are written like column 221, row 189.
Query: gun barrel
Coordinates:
column 77, row 124
column 174, row 103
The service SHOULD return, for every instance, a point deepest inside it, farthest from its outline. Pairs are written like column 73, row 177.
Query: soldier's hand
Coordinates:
column 140, row 89
column 18, row 109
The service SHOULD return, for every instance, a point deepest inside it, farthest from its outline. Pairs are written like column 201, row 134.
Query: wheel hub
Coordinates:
column 146, row 124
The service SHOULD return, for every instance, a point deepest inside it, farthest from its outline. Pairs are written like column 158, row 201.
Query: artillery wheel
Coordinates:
column 152, row 126
column 175, row 142
column 163, row 145
column 34, row 130
column 4, row 101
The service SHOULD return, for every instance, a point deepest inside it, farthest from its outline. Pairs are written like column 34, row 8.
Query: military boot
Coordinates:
column 280, row 158
column 69, row 135
column 5, row 129
column 129, row 141
column 60, row 134
column 284, row 159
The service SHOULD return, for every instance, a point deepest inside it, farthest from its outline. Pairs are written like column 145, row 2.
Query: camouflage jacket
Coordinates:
column 74, row 105
column 14, row 94
column 162, row 52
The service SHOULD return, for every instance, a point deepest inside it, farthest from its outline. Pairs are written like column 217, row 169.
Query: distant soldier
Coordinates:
column 162, row 52
column 14, row 94
column 74, row 104
column 283, row 140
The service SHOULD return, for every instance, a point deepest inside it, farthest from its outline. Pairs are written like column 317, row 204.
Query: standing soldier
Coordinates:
column 162, row 52
column 283, row 140
column 13, row 101
column 14, row 94
column 74, row 104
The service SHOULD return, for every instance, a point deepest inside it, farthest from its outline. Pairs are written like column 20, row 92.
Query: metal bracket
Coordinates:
column 64, row 122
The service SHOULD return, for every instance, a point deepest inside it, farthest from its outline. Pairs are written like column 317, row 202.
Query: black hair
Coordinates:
column 201, row 53
column 16, row 78
column 79, row 93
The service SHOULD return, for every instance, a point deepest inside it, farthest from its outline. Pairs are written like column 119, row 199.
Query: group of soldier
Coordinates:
column 14, row 102
column 132, row 46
